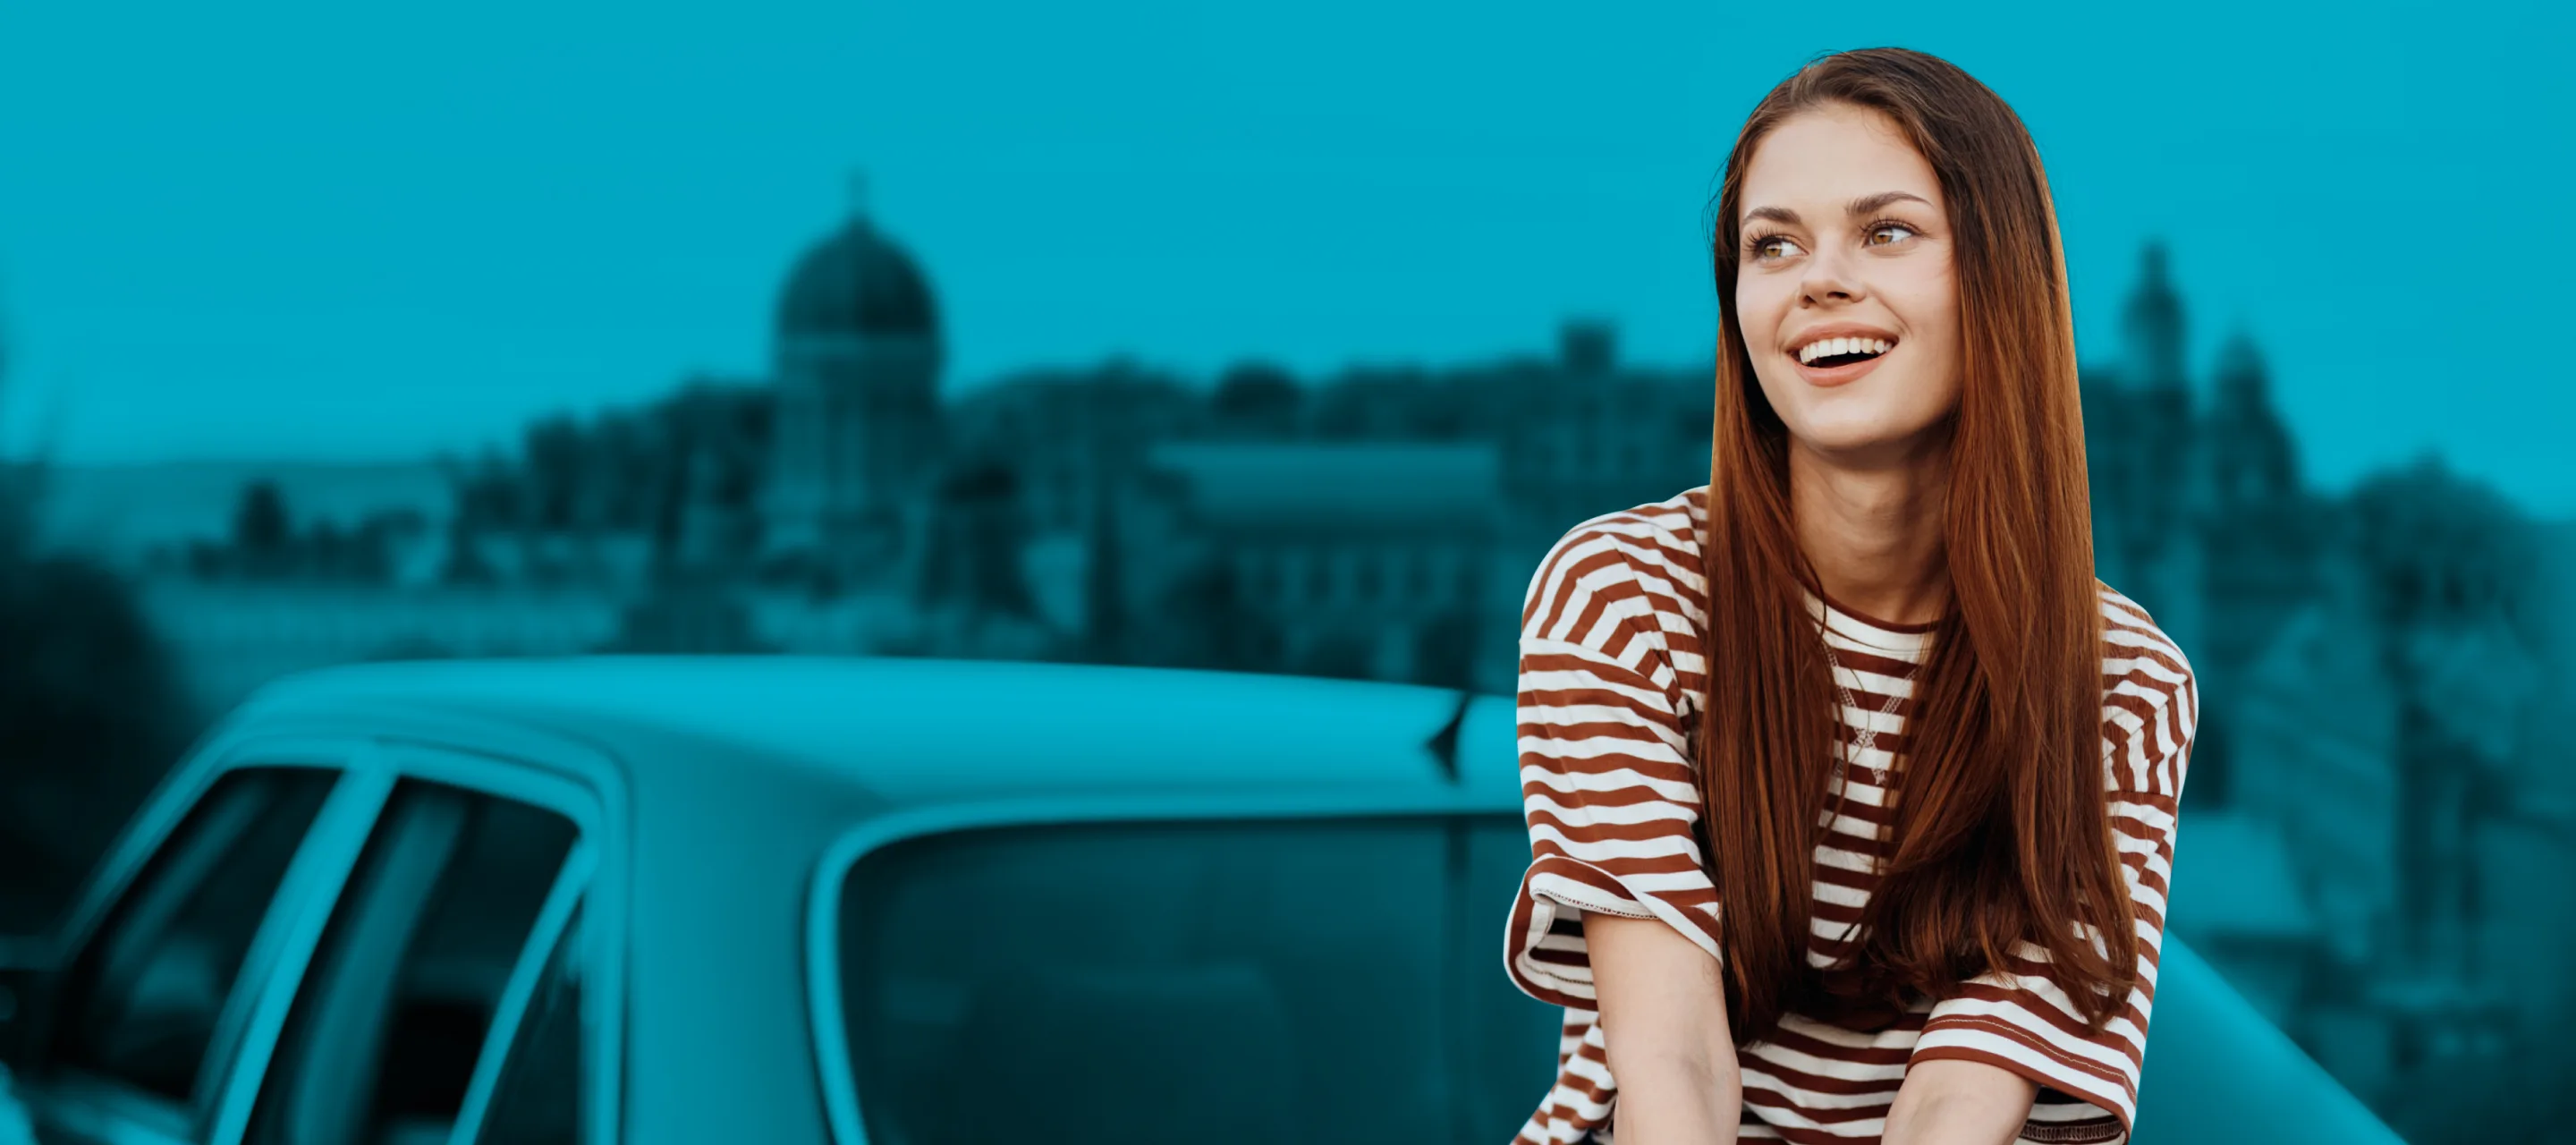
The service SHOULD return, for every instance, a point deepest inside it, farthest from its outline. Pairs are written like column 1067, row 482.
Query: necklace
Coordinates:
column 1868, row 732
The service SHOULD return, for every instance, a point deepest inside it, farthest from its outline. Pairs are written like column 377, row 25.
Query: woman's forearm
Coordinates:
column 1663, row 1025
column 1949, row 1101
column 1674, row 1101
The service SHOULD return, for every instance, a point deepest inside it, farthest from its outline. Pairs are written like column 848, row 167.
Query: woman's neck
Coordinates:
column 1875, row 535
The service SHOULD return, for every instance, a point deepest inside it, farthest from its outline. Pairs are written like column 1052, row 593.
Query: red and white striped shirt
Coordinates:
column 1611, row 671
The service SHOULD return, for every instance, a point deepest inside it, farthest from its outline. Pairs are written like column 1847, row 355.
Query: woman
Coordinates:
column 1850, row 789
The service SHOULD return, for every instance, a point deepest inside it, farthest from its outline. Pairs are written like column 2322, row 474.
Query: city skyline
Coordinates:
column 481, row 228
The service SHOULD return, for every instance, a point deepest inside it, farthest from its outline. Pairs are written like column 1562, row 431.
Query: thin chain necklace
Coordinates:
column 1869, row 731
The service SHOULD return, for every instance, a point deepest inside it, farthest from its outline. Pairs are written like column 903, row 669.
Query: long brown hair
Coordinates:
column 2002, row 835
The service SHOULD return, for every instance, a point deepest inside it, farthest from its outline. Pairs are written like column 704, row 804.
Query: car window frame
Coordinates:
column 826, row 1023
column 575, row 794
column 563, row 902
column 593, row 790
column 587, row 789
column 279, row 944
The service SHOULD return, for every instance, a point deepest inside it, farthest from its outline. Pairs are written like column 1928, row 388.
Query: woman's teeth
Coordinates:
column 1855, row 349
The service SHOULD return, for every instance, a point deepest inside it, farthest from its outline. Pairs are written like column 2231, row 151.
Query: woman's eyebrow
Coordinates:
column 1868, row 203
column 1860, row 206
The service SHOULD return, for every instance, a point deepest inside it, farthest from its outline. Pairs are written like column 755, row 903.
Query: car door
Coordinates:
column 184, row 935
column 444, row 998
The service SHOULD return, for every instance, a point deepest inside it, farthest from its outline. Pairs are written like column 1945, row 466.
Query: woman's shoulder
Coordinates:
column 2150, row 699
column 1641, row 562
column 2133, row 644
column 1658, row 538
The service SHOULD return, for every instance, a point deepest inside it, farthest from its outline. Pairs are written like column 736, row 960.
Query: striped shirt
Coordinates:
column 1611, row 673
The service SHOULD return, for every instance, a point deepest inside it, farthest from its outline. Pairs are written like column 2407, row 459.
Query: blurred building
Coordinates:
column 2420, row 776
column 1583, row 433
column 2314, row 722
column 1372, row 560
column 857, row 436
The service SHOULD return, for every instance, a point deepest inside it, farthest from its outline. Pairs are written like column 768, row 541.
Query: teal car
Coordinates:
column 834, row 901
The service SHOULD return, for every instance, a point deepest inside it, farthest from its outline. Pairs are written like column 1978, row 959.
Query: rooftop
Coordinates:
column 1374, row 482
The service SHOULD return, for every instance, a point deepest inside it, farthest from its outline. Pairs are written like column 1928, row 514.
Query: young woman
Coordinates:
column 1850, row 789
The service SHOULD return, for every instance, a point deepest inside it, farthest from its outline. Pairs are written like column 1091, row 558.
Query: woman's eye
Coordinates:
column 1883, row 228
column 1765, row 247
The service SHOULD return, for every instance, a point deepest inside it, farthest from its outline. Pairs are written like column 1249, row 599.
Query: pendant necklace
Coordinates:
column 1868, row 732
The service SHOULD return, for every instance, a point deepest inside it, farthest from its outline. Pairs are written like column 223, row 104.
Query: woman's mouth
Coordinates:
column 1834, row 361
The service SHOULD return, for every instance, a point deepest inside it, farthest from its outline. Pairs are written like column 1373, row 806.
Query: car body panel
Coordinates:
column 909, row 732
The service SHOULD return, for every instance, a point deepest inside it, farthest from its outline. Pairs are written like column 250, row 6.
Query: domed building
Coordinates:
column 856, row 364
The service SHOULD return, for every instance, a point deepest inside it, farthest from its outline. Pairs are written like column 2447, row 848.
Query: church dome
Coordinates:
column 857, row 281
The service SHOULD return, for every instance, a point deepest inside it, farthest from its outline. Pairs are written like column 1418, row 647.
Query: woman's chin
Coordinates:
column 1860, row 434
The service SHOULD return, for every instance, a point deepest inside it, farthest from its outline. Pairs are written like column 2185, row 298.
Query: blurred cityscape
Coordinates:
column 2382, row 805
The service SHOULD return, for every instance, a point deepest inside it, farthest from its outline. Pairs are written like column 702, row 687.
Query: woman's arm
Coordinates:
column 1663, row 1025
column 1953, row 1101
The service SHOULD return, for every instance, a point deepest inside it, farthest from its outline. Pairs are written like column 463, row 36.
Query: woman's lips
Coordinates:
column 1837, row 375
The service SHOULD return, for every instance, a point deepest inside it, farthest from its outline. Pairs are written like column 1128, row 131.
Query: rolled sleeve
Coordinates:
column 1608, row 788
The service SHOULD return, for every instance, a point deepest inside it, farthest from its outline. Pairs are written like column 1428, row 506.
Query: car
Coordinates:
column 841, row 900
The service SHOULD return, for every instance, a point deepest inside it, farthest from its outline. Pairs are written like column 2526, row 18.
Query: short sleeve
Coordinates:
column 1607, row 785
column 2023, row 1021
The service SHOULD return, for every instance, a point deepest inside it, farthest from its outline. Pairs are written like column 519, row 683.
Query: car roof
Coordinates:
column 924, row 730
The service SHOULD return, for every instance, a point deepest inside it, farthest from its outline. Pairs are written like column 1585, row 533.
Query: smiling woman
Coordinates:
column 1851, row 792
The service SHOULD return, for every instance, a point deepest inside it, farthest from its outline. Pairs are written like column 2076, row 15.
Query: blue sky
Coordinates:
column 311, row 231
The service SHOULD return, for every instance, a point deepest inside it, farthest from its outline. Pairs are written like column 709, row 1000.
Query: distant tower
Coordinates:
column 1587, row 347
column 2260, row 531
column 2252, row 459
column 856, row 363
column 2150, row 490
column 2152, row 325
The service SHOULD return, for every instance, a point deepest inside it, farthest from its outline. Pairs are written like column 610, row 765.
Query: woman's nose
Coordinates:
column 1828, row 281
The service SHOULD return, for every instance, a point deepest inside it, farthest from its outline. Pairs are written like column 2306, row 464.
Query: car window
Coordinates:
column 143, row 997
column 1182, row 982
column 538, row 1098
column 383, row 1037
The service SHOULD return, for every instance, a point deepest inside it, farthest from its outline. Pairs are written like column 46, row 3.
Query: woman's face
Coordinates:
column 1846, row 237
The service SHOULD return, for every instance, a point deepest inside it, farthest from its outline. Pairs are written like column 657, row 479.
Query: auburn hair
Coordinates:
column 2002, row 835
